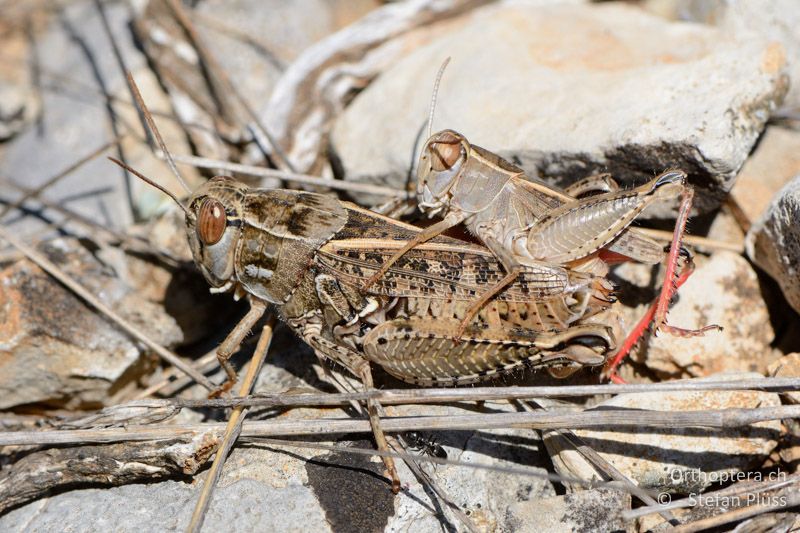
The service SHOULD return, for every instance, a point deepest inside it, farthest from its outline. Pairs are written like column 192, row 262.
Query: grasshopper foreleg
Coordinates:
column 232, row 342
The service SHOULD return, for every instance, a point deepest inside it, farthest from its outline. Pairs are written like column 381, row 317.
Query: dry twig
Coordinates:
column 421, row 396
column 304, row 179
column 232, row 429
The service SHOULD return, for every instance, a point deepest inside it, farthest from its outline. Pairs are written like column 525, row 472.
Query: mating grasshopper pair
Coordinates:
column 310, row 256
column 531, row 227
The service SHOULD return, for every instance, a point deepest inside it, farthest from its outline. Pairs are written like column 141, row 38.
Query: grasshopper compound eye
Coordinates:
column 211, row 221
column 445, row 152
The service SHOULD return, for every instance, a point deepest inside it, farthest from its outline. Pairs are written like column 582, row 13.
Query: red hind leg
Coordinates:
column 642, row 326
column 657, row 313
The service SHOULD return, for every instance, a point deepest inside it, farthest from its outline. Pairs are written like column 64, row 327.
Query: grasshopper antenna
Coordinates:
column 435, row 94
column 154, row 184
column 154, row 130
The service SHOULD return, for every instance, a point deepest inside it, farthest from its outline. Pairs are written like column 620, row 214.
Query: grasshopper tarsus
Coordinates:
column 223, row 390
column 687, row 333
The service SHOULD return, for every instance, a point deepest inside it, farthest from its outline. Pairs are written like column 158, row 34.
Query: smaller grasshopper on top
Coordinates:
column 526, row 223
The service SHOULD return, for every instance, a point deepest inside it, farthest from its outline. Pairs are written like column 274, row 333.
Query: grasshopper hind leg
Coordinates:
column 657, row 313
column 359, row 367
column 419, row 351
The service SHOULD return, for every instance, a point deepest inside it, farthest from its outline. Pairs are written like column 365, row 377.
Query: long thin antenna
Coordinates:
column 154, row 130
column 154, row 184
column 435, row 94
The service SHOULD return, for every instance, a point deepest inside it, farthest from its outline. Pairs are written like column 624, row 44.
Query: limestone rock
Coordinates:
column 716, row 293
column 323, row 79
column 774, row 162
column 775, row 21
column 773, row 243
column 787, row 367
column 591, row 510
column 244, row 505
column 573, row 89
column 56, row 349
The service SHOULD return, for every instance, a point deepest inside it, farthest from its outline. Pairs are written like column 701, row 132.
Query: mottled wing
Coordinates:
column 438, row 270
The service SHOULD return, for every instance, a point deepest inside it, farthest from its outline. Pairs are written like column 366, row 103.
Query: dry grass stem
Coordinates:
column 694, row 240
column 304, row 179
column 232, row 429
column 410, row 396
column 611, row 419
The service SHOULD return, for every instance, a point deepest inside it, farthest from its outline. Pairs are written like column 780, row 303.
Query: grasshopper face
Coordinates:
column 440, row 165
column 214, row 231
column 454, row 174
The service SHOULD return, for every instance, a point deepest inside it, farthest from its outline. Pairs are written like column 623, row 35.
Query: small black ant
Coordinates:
column 425, row 445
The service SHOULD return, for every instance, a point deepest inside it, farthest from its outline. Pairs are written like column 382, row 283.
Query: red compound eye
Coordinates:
column 211, row 221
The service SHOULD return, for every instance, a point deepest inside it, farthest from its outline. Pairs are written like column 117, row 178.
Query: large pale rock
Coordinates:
column 724, row 290
column 56, row 349
column 775, row 21
column 243, row 506
column 322, row 81
column 773, row 243
column 568, row 90
column 682, row 460
column 774, row 162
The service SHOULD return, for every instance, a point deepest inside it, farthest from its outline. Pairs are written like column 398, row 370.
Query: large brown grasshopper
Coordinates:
column 530, row 225
column 308, row 255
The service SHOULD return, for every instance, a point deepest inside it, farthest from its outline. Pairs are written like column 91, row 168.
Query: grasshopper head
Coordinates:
column 439, row 167
column 213, row 227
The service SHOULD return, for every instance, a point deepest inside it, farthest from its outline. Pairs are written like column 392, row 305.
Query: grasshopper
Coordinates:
column 530, row 225
column 308, row 254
